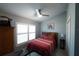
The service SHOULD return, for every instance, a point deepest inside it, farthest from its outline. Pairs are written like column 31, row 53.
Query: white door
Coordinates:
column 68, row 35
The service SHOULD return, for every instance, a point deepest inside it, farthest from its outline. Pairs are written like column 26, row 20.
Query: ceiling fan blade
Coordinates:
column 38, row 11
column 44, row 15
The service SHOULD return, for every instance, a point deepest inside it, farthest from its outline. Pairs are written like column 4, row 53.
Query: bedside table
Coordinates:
column 62, row 43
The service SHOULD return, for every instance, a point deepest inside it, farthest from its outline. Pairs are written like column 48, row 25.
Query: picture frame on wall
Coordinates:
column 51, row 26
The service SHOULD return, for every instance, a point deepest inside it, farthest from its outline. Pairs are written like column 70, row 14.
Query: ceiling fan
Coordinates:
column 39, row 13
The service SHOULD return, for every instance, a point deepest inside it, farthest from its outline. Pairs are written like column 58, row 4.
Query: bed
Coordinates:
column 45, row 45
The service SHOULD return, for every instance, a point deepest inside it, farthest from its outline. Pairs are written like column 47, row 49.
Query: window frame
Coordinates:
column 24, row 33
column 20, row 33
column 31, row 32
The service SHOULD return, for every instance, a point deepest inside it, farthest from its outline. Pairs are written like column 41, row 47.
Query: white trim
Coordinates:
column 68, row 20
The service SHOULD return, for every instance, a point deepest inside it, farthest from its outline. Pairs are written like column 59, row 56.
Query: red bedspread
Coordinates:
column 41, row 45
column 44, row 45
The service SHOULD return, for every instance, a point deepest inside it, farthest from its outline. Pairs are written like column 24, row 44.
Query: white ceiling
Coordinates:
column 27, row 10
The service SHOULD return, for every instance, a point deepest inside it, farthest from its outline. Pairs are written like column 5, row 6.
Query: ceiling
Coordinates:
column 27, row 10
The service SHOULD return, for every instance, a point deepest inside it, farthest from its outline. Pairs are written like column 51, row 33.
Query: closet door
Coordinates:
column 8, row 40
column 1, row 42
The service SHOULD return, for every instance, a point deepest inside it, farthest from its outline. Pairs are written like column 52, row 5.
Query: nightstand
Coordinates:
column 62, row 43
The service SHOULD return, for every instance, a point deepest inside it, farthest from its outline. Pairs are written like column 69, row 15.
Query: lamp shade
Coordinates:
column 62, row 35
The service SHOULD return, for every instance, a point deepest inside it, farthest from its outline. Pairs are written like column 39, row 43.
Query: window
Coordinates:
column 25, row 32
column 22, row 33
column 32, row 32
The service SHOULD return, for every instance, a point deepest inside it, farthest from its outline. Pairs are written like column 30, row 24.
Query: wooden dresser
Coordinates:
column 6, row 40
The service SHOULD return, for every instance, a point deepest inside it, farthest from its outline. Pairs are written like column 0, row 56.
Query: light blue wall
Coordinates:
column 60, row 24
column 71, row 13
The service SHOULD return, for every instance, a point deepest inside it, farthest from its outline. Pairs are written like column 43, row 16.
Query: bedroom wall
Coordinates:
column 23, row 20
column 60, row 24
column 71, row 13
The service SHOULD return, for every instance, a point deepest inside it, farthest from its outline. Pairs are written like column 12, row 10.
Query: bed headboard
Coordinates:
column 50, row 33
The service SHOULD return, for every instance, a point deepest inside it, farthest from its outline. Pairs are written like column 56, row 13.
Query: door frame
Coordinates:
column 68, row 20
